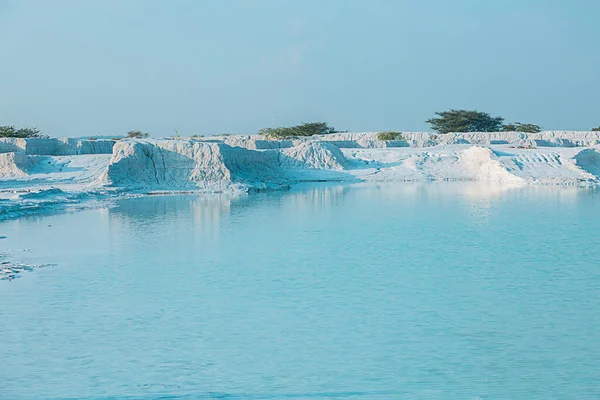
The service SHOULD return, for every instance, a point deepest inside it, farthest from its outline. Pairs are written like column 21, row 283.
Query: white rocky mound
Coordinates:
column 189, row 165
column 315, row 155
column 589, row 160
column 484, row 165
column 15, row 165
column 55, row 169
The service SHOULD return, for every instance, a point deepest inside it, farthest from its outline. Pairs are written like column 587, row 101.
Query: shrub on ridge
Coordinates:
column 137, row 135
column 305, row 129
column 519, row 127
column 390, row 136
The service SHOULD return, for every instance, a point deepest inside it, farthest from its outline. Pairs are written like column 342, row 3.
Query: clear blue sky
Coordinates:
column 104, row 67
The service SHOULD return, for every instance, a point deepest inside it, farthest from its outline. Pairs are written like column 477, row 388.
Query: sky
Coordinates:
column 104, row 67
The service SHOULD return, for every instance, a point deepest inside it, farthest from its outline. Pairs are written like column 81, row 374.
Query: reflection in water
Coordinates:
column 204, row 216
column 311, row 197
column 160, row 206
column 203, row 212
column 207, row 213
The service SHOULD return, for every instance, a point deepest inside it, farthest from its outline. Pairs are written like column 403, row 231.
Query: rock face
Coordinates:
column 8, row 145
column 104, row 146
column 589, row 161
column 255, row 142
column 68, row 146
column 190, row 165
column 201, row 165
column 541, row 139
column 252, row 163
column 15, row 165
column 38, row 174
column 427, row 139
column 315, row 155
column 56, row 147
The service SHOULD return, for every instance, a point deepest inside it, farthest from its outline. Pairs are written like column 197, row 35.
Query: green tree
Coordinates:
column 305, row 129
column 137, row 135
column 519, row 127
column 277, row 132
column 11, row 131
column 465, row 121
column 314, row 128
column 596, row 129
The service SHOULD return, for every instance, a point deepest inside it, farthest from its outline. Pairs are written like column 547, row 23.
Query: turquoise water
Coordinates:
column 439, row 291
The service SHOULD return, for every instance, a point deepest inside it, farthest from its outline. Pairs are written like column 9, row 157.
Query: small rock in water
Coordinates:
column 13, row 271
column 3, row 237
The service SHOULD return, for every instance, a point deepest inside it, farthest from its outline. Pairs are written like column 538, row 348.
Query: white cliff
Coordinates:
column 189, row 165
column 72, row 169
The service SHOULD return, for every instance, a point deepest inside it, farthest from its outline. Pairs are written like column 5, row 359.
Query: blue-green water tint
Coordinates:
column 438, row 291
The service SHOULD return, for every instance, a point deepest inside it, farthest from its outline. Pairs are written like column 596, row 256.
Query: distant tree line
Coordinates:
column 305, row 129
column 476, row 121
column 443, row 122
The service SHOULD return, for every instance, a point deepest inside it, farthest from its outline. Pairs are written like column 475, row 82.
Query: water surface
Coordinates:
column 428, row 291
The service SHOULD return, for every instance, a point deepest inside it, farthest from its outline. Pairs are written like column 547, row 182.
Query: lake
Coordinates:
column 391, row 291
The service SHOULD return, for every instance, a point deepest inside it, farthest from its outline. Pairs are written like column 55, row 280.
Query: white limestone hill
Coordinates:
column 189, row 165
column 484, row 165
column 589, row 161
column 255, row 142
column 313, row 155
column 56, row 146
column 499, row 164
column 427, row 139
column 15, row 165
column 55, row 171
